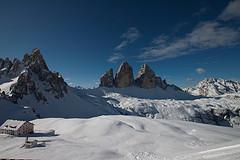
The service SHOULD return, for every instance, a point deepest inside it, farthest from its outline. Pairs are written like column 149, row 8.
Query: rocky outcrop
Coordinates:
column 34, row 77
column 35, row 61
column 16, row 67
column 211, row 87
column 124, row 76
column 7, row 64
column 1, row 63
column 146, row 78
column 24, row 86
column 107, row 79
column 56, row 84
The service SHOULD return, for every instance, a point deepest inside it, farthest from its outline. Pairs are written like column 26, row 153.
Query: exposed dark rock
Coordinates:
column 107, row 79
column 146, row 78
column 1, row 63
column 7, row 63
column 57, row 84
column 24, row 86
column 164, row 84
column 124, row 76
column 34, row 78
column 14, row 70
column 35, row 61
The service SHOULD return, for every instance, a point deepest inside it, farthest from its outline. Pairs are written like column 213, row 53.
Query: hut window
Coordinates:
column 13, row 126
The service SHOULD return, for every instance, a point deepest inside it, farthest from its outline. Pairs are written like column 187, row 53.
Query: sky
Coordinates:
column 183, row 42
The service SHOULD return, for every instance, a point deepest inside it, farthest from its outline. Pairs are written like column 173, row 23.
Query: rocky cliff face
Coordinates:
column 33, row 78
column 107, row 79
column 124, row 76
column 146, row 78
column 214, row 87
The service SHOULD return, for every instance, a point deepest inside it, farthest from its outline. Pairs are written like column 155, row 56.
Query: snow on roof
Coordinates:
column 12, row 124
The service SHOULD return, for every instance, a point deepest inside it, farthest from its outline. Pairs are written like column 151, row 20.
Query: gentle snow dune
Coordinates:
column 126, row 137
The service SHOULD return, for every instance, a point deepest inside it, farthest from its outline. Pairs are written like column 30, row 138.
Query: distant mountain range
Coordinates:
column 211, row 87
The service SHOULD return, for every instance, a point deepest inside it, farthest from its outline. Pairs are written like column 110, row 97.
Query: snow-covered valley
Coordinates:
column 222, row 110
column 126, row 137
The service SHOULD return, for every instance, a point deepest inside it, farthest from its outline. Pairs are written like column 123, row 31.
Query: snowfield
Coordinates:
column 81, row 103
column 7, row 84
column 126, row 138
column 183, row 107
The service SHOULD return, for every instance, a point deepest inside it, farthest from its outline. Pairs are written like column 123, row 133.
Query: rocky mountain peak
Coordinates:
column 146, row 77
column 124, row 76
column 107, row 79
column 33, row 77
column 145, row 69
column 35, row 60
column 16, row 66
column 214, row 87
column 7, row 63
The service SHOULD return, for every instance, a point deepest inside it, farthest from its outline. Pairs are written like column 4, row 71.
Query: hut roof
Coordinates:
column 12, row 124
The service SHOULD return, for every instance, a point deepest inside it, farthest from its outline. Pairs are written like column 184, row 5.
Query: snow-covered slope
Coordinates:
column 8, row 110
column 214, row 87
column 72, row 105
column 31, row 84
column 219, row 111
column 5, row 86
column 151, row 93
column 125, row 138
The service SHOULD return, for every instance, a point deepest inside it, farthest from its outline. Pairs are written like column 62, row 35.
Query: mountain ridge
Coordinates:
column 40, row 93
column 211, row 87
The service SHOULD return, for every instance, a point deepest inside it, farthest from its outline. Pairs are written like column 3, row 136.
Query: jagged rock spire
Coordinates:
column 107, row 79
column 124, row 76
column 35, row 60
column 34, row 77
column 146, row 77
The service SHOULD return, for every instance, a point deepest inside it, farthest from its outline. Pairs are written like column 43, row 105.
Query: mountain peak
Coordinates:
column 145, row 69
column 215, row 87
column 32, row 77
column 35, row 60
column 146, row 78
column 107, row 79
column 124, row 76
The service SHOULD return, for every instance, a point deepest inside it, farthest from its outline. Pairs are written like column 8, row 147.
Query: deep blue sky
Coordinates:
column 182, row 41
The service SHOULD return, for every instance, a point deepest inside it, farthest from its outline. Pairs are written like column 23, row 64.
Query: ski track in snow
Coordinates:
column 231, row 152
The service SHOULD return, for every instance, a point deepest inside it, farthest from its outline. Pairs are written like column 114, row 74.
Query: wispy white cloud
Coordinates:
column 200, row 70
column 115, row 57
column 127, row 38
column 206, row 35
column 232, row 11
